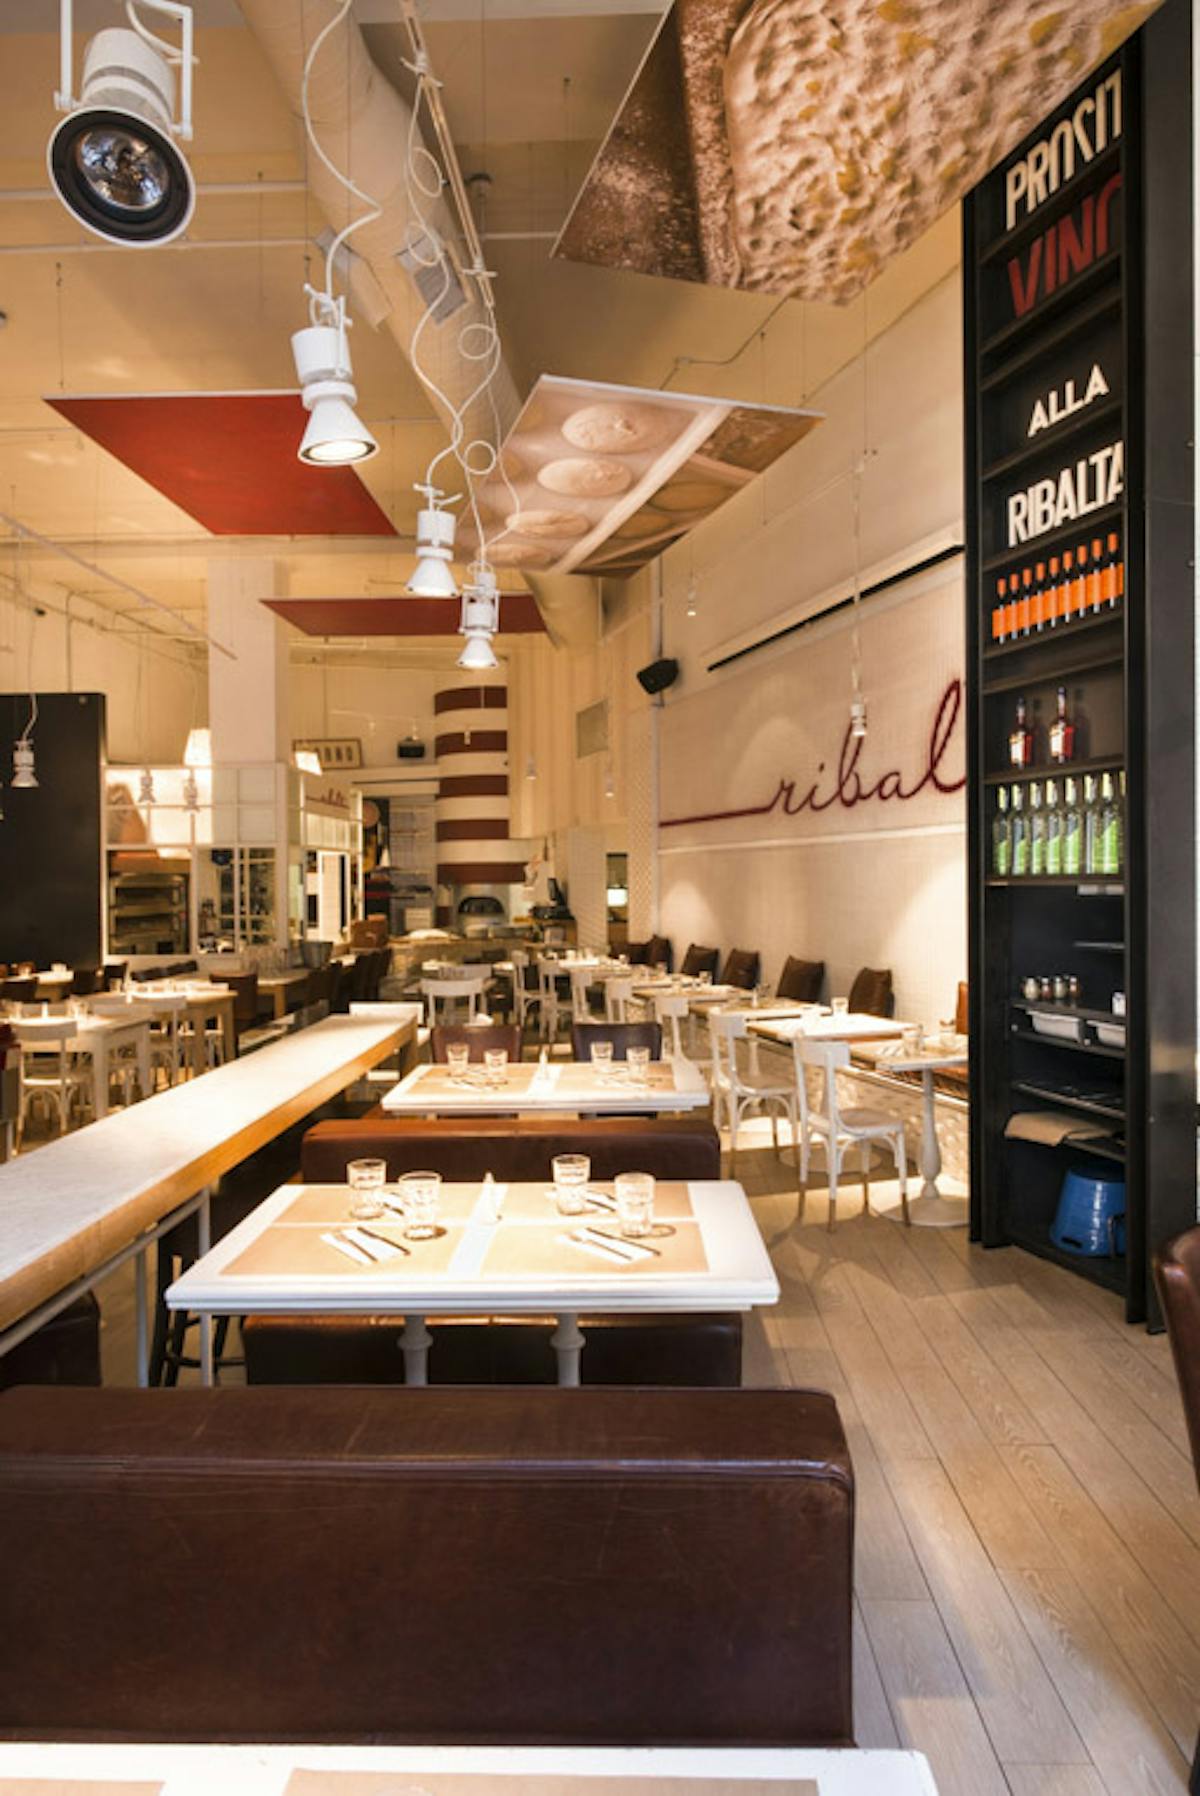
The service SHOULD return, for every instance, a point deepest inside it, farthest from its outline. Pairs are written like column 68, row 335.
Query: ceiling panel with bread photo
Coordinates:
column 595, row 478
column 796, row 146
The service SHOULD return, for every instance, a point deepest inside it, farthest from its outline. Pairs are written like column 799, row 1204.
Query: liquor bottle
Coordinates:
column 1041, row 598
column 1108, row 828
column 1095, row 579
column 1051, row 602
column 1072, row 830
column 1037, row 832
column 1091, row 826
column 1079, row 589
column 1120, row 804
column 1001, row 836
column 1062, row 732
column 1118, row 570
column 1000, row 612
column 1054, row 829
column 1014, row 587
column 1067, row 588
column 1108, row 573
column 1020, row 739
column 1020, row 836
column 1025, row 602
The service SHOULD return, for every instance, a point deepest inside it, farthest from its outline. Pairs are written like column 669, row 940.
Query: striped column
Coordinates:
column 471, row 814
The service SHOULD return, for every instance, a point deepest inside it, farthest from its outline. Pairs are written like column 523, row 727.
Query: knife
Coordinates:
column 628, row 1249
column 386, row 1239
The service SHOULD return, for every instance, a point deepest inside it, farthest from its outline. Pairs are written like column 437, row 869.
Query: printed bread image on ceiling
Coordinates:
column 596, row 479
column 229, row 460
column 797, row 146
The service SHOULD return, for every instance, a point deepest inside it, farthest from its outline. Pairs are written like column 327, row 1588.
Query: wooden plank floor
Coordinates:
column 1028, row 1555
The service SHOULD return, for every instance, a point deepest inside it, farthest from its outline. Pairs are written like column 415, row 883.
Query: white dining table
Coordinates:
column 100, row 1038
column 554, row 1085
column 89, row 1768
column 502, row 1250
column 820, row 1024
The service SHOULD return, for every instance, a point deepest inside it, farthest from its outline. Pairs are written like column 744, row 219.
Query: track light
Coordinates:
column 146, row 787
column 858, row 717
column 24, row 777
column 480, row 621
column 432, row 578
column 113, row 160
column 335, row 434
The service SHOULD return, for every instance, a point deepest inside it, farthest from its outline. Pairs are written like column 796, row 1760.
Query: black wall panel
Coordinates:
column 50, row 839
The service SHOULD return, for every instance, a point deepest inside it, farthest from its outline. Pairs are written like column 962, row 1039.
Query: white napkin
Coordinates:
column 351, row 1252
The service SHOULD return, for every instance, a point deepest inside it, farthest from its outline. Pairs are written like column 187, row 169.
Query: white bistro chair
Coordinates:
column 670, row 1010
column 550, row 1000
column 448, row 993
column 525, row 997
column 582, row 978
column 618, row 998
column 51, row 1073
column 738, row 1090
column 842, row 1129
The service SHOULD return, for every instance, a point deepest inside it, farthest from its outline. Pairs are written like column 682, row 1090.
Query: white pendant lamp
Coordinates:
column 335, row 435
column 433, row 577
column 480, row 621
column 198, row 752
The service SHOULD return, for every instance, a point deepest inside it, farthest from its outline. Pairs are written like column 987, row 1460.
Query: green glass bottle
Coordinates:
column 1020, row 835
column 1072, row 830
column 1108, row 828
column 1001, row 836
column 1091, row 827
column 1037, row 832
column 1054, row 830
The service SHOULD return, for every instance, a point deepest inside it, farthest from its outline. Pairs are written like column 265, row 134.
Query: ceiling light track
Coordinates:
column 144, row 598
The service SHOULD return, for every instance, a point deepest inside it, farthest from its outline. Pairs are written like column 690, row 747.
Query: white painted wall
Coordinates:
column 378, row 705
column 882, row 884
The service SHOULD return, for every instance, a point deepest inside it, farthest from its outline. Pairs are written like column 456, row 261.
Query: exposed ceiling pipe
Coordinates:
column 363, row 124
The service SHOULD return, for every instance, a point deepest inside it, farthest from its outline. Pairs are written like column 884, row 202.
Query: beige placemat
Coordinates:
column 534, row 1203
column 435, row 1082
column 536, row 1250
column 300, row 1253
column 329, row 1206
column 575, row 1079
column 1050, row 1128
column 75, row 1786
column 466, row 1783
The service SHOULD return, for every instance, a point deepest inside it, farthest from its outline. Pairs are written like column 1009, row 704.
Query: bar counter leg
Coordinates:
column 141, row 1336
column 415, row 1344
column 567, row 1342
column 204, row 1242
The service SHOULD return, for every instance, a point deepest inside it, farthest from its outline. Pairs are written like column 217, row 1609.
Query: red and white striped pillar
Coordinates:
column 471, row 815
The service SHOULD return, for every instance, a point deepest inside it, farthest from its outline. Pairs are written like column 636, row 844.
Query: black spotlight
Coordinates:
column 659, row 675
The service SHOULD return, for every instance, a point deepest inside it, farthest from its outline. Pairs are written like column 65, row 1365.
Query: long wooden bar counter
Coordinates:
column 72, row 1207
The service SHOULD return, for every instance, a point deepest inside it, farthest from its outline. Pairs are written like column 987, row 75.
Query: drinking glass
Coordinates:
column 704, row 978
column 602, row 1054
column 571, row 1175
column 635, row 1202
column 840, row 1006
column 638, row 1061
column 912, row 1041
column 366, row 1179
column 458, row 1056
column 419, row 1194
column 495, row 1063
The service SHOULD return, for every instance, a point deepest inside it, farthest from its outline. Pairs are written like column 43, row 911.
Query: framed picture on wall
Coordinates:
column 335, row 753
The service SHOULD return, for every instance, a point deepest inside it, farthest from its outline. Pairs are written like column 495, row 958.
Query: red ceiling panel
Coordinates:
column 400, row 616
column 229, row 460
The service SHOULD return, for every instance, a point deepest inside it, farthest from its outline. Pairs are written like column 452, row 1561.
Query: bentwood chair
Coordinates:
column 671, row 1009
column 623, row 1036
column 618, row 996
column 1177, row 1275
column 51, row 1075
column 526, row 990
column 477, row 1037
column 444, row 995
column 840, row 1130
column 740, row 1090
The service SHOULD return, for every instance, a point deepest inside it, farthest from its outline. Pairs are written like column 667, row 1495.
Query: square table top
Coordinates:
column 851, row 1026
column 555, row 1085
column 706, row 1252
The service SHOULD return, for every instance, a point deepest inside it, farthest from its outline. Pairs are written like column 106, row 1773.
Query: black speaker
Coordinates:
column 659, row 675
column 408, row 750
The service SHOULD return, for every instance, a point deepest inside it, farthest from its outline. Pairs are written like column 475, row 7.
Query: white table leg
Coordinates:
column 145, row 1073
column 931, row 1210
column 415, row 1344
column 99, row 1046
column 142, row 1335
column 567, row 1342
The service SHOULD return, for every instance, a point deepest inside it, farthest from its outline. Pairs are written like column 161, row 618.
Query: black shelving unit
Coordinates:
column 1119, row 299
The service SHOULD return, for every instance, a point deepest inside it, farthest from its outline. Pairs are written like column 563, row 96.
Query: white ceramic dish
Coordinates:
column 1110, row 1035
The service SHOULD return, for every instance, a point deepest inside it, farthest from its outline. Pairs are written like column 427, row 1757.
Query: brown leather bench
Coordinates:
column 468, row 1566
column 704, row 1348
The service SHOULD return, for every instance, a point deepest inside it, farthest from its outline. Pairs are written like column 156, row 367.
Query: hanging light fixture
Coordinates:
column 335, row 434
column 114, row 160
column 432, row 578
column 691, row 608
column 308, row 761
column 480, row 620
column 24, row 777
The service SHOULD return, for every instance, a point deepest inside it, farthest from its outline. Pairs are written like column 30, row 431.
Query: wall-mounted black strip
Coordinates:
column 818, row 617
